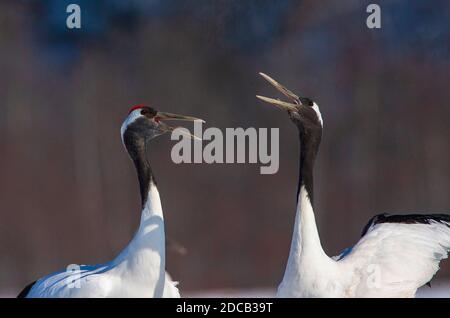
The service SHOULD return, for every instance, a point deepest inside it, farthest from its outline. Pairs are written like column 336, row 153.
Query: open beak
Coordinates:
column 293, row 98
column 162, row 116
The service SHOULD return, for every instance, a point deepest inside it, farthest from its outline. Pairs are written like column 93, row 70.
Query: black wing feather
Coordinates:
column 26, row 290
column 407, row 219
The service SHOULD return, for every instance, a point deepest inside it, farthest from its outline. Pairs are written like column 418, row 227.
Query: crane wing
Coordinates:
column 87, row 281
column 397, row 254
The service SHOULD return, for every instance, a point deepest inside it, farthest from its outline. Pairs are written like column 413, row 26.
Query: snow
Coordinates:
column 437, row 290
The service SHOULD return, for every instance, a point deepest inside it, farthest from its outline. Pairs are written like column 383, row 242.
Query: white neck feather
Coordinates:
column 152, row 208
column 144, row 257
column 150, row 235
column 305, row 245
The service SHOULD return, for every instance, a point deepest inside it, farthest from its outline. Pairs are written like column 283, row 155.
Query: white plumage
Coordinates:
column 395, row 259
column 390, row 260
column 138, row 271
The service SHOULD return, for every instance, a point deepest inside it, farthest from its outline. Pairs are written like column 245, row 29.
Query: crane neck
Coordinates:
column 150, row 199
column 305, row 244
column 144, row 257
column 309, row 146
column 136, row 146
column 137, row 149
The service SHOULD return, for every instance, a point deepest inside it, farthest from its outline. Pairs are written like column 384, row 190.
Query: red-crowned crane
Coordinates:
column 395, row 255
column 139, row 270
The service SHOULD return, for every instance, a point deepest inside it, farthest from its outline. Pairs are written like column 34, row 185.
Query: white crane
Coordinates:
column 395, row 255
column 139, row 270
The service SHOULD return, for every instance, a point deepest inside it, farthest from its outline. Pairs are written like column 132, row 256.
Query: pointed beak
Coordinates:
column 170, row 116
column 163, row 116
column 293, row 98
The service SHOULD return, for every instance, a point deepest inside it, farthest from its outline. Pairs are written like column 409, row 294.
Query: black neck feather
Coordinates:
column 309, row 145
column 136, row 147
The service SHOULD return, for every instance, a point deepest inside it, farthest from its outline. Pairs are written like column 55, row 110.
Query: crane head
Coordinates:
column 303, row 111
column 147, row 123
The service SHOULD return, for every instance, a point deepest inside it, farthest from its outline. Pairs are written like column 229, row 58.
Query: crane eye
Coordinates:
column 306, row 101
column 147, row 112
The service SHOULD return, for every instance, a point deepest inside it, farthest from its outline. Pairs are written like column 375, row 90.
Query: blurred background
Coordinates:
column 69, row 193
